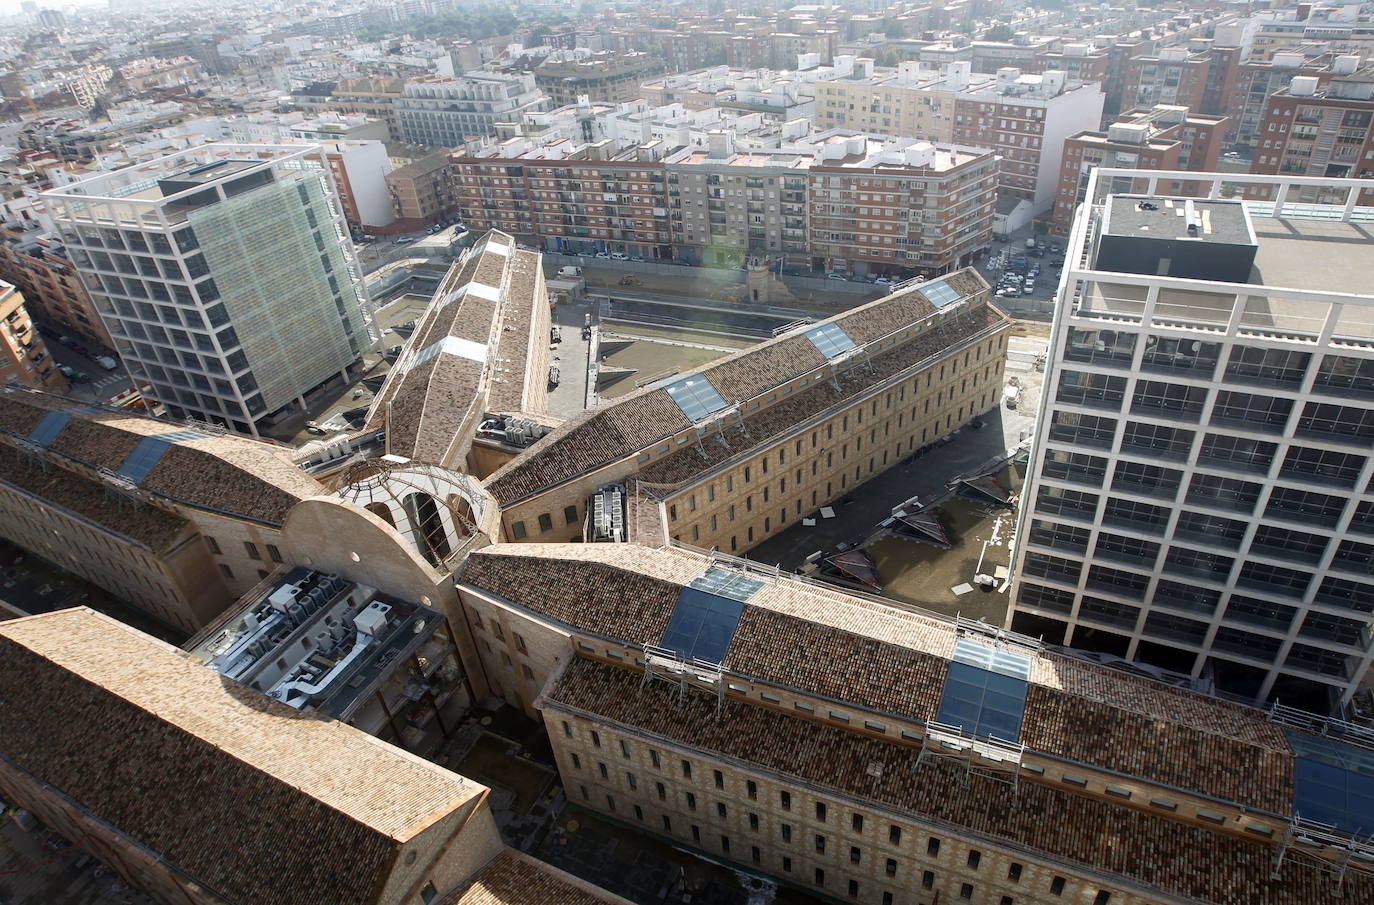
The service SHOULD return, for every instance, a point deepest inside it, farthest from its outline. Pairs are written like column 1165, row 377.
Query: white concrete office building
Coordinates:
column 224, row 275
column 1199, row 495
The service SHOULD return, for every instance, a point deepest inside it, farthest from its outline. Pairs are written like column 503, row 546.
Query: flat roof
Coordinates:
column 1146, row 217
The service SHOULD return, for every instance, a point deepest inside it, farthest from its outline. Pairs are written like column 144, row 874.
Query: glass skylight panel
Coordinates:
column 984, row 703
column 47, row 429
column 725, row 583
column 829, row 339
column 695, row 396
column 993, row 659
column 702, row 625
column 940, row 293
column 144, row 457
column 1333, row 783
column 149, row 451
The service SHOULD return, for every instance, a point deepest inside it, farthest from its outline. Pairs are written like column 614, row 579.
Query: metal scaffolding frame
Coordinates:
column 1321, row 847
column 990, row 758
column 666, row 665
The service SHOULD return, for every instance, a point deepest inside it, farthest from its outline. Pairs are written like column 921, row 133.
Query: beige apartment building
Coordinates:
column 730, row 454
column 24, row 358
column 869, row 753
column 841, row 200
column 174, row 520
column 1022, row 117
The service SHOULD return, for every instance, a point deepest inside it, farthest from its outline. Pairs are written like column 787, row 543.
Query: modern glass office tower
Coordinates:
column 1199, row 495
column 224, row 275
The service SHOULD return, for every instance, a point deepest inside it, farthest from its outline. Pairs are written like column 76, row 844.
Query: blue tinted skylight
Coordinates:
column 987, row 704
column 830, row 339
column 695, row 396
column 149, row 451
column 702, row 625
column 940, row 293
column 1333, row 783
column 47, row 429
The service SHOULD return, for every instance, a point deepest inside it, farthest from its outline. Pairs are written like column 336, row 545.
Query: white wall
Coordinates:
column 1068, row 114
column 367, row 164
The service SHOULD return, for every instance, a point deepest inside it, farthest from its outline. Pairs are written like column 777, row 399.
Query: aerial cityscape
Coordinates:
column 626, row 453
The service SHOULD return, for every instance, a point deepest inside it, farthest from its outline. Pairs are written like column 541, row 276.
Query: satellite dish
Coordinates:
column 1195, row 346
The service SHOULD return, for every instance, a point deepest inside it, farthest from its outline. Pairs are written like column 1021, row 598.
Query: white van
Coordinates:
column 570, row 272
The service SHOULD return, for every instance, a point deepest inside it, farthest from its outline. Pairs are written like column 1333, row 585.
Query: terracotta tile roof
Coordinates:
column 642, row 418
column 690, row 461
column 507, row 394
column 247, row 795
column 1157, row 701
column 592, row 597
column 836, row 664
column 747, row 373
column 131, row 518
column 225, row 473
column 425, row 405
column 589, row 441
column 1186, row 861
column 1157, row 749
column 512, row 878
column 877, row 656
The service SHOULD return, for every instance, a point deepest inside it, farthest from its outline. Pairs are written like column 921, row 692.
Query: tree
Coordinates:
column 999, row 33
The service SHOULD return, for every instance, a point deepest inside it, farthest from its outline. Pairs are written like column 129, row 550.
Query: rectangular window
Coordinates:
column 252, row 550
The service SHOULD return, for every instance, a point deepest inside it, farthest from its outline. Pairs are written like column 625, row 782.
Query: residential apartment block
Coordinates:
column 1023, row 118
column 224, row 275
column 1256, row 81
column 1165, row 137
column 24, row 357
column 1173, row 75
column 37, row 263
column 1311, row 129
column 1200, row 484
column 838, row 200
column 450, row 111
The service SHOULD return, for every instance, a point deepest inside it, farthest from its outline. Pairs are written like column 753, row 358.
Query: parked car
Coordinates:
column 602, row 255
column 73, row 374
column 1009, row 292
column 884, row 281
column 836, row 276
column 555, row 334
column 570, row 272
column 106, row 362
column 619, row 256
column 555, row 376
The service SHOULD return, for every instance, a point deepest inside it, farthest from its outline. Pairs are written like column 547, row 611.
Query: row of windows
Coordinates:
column 819, row 842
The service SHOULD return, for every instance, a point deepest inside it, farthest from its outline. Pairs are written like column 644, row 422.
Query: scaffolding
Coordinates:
column 965, row 627
column 851, row 360
column 1323, row 848
column 728, row 417
column 1326, row 727
column 990, row 758
column 666, row 665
